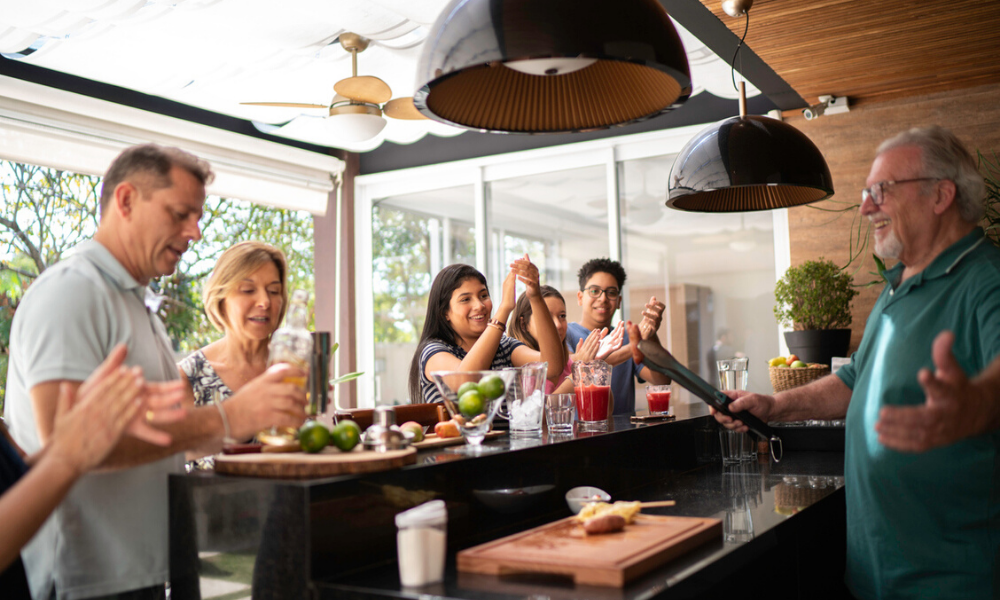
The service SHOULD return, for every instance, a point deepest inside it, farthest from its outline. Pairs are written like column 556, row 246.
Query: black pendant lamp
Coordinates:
column 551, row 66
column 748, row 163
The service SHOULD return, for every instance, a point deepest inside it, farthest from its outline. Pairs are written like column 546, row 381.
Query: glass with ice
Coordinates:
column 526, row 400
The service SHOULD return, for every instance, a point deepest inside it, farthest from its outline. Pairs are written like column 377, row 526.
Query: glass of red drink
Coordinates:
column 658, row 399
column 592, row 386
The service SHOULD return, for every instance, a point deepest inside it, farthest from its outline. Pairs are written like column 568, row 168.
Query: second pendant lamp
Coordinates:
column 747, row 163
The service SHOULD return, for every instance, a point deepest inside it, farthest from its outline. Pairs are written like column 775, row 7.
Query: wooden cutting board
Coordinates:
column 431, row 440
column 609, row 560
column 299, row 465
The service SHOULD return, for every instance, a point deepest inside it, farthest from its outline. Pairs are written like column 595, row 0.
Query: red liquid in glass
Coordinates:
column 592, row 402
column 658, row 401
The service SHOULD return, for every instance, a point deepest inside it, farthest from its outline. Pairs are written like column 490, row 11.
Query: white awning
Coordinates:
column 54, row 128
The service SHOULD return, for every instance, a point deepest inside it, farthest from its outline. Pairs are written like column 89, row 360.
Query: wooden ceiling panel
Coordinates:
column 870, row 50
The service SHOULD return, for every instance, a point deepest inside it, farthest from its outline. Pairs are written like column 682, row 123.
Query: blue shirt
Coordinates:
column 623, row 376
column 924, row 524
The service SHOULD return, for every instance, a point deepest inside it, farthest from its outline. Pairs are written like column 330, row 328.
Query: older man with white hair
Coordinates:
column 109, row 537
column 922, row 466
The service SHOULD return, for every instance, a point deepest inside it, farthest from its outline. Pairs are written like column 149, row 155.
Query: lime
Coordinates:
column 491, row 387
column 465, row 387
column 346, row 435
column 471, row 403
column 313, row 436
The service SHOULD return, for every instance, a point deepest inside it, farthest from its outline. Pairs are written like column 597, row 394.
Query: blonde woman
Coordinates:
column 245, row 298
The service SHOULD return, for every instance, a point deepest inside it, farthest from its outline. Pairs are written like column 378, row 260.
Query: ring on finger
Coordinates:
column 150, row 415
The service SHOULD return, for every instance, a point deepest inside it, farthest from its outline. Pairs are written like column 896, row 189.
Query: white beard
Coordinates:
column 889, row 246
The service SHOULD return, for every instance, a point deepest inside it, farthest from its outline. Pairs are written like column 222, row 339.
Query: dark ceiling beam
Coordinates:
column 705, row 26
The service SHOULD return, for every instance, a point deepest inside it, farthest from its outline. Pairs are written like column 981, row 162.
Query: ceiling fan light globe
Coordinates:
column 550, row 66
column 356, row 127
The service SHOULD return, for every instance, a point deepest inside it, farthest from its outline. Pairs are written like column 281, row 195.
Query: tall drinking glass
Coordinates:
column 526, row 400
column 736, row 447
column 592, row 386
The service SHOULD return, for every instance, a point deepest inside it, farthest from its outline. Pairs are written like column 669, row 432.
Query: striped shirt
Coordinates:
column 501, row 360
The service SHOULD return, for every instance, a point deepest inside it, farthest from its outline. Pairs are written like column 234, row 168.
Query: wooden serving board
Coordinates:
column 431, row 440
column 610, row 559
column 300, row 465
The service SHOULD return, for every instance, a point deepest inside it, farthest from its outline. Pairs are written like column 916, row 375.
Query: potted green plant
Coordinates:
column 814, row 299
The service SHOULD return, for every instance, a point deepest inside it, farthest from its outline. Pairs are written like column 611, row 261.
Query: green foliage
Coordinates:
column 990, row 170
column 814, row 295
column 401, row 247
column 47, row 211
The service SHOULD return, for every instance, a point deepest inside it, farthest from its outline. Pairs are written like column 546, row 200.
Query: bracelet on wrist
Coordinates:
column 228, row 438
column 499, row 325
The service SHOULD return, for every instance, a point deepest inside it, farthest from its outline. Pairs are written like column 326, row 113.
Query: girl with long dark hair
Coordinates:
column 460, row 335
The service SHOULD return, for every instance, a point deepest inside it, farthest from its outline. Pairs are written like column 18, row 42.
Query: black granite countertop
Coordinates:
column 335, row 537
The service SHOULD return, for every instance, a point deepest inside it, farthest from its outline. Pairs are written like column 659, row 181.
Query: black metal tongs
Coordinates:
column 663, row 362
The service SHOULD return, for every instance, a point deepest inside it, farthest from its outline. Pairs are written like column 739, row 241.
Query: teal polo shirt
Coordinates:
column 924, row 525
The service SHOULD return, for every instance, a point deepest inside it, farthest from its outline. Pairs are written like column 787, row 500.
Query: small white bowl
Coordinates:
column 579, row 496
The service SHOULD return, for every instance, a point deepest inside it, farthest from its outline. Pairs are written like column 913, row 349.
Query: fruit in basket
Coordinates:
column 777, row 361
column 345, row 435
column 415, row 428
column 313, row 436
column 447, row 429
column 492, row 387
column 471, row 403
column 798, row 365
column 791, row 358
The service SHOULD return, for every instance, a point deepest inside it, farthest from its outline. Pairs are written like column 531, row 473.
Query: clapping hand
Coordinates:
column 652, row 316
column 90, row 421
column 612, row 342
column 956, row 407
column 527, row 273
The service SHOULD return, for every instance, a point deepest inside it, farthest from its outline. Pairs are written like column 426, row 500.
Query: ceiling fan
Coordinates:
column 359, row 102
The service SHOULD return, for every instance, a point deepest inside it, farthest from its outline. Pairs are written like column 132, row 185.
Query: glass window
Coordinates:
column 715, row 273
column 560, row 219
column 414, row 236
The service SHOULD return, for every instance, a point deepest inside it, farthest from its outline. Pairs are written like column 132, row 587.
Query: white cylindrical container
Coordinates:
column 421, row 543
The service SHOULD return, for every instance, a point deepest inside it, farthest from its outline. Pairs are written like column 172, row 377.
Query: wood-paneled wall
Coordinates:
column 848, row 141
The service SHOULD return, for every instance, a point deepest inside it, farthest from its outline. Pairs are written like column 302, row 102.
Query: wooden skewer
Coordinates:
column 657, row 504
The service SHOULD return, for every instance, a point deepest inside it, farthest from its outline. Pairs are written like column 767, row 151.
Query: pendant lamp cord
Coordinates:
column 746, row 28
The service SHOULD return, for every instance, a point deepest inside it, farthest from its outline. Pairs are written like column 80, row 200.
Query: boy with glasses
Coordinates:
column 601, row 282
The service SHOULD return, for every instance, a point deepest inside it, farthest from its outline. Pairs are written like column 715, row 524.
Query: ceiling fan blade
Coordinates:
column 285, row 104
column 402, row 108
column 364, row 88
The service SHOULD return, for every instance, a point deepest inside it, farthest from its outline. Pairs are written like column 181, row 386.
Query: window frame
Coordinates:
column 480, row 172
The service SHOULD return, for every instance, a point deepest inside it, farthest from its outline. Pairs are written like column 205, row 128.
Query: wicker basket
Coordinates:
column 787, row 378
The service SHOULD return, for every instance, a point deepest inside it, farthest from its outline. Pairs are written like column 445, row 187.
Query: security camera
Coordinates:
column 816, row 110
column 828, row 105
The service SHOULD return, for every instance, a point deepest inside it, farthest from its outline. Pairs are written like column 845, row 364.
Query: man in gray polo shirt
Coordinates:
column 109, row 537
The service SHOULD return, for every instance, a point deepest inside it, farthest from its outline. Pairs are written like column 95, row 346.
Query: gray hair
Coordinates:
column 945, row 157
column 152, row 163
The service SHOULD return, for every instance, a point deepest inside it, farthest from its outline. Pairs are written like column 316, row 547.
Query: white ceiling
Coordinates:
column 214, row 54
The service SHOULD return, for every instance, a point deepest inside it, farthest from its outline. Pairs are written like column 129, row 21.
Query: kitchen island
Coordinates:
column 783, row 523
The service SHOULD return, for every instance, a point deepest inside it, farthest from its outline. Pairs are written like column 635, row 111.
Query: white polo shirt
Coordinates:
column 110, row 534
